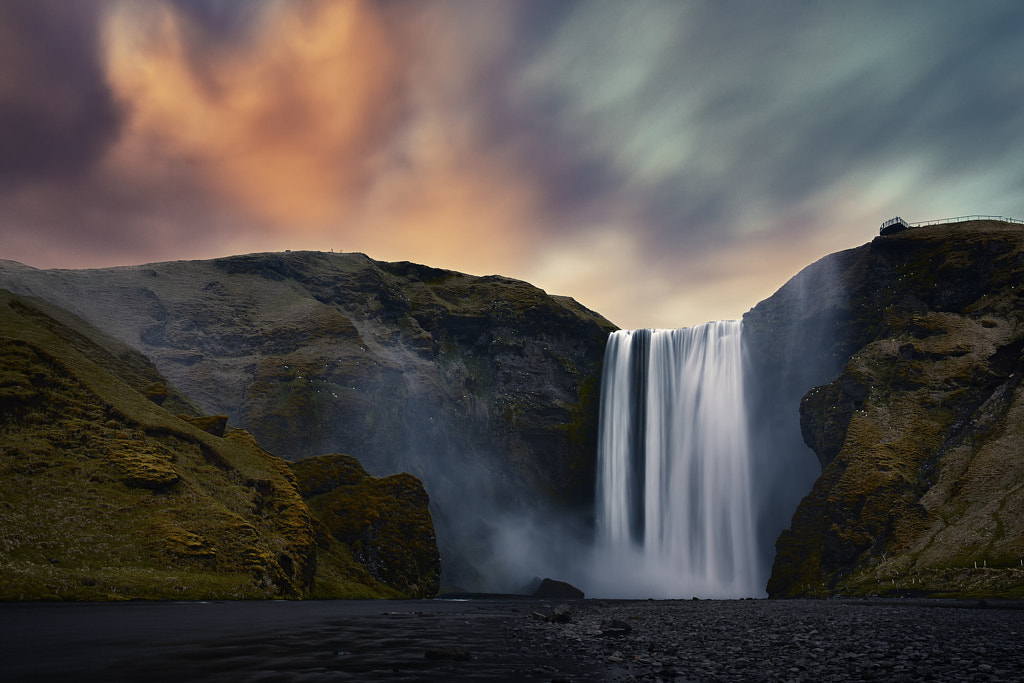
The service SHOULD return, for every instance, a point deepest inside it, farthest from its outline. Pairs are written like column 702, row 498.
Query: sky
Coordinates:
column 664, row 163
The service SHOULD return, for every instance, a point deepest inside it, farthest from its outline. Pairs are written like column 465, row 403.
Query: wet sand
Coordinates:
column 743, row 640
column 268, row 641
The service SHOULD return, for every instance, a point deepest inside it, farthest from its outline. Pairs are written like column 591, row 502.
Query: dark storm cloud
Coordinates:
column 221, row 20
column 57, row 116
column 530, row 129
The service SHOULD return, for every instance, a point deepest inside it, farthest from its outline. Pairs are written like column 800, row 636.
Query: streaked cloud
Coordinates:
column 662, row 162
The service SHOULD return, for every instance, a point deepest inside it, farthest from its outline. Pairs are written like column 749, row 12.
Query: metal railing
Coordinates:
column 894, row 221
column 963, row 219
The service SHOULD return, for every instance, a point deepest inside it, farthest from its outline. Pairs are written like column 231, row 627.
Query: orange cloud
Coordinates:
column 340, row 124
column 473, row 218
column 283, row 125
column 449, row 193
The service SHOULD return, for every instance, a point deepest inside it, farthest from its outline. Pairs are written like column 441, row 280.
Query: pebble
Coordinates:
column 787, row 640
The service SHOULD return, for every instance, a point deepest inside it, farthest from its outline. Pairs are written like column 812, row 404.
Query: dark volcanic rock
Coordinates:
column 614, row 628
column 910, row 359
column 473, row 384
column 558, row 590
column 560, row 614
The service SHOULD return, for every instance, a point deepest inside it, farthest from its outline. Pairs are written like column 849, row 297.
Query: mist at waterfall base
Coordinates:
column 699, row 470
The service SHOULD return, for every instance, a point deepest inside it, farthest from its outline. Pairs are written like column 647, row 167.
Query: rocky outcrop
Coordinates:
column 105, row 494
column 385, row 522
column 558, row 590
column 919, row 430
column 481, row 384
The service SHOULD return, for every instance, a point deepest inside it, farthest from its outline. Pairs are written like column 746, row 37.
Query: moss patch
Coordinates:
column 382, row 524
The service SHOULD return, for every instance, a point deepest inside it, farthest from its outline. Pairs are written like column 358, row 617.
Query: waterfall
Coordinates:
column 674, row 512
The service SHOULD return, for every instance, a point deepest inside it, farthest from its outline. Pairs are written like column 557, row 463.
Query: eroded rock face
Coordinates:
column 919, row 434
column 385, row 522
column 481, row 384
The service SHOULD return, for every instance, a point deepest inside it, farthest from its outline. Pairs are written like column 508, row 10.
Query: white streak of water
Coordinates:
column 674, row 505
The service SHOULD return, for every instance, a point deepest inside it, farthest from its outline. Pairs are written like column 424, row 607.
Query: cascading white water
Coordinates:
column 674, row 508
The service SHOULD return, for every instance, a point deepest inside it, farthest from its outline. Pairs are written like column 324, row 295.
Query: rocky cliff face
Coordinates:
column 914, row 342
column 112, row 486
column 484, row 387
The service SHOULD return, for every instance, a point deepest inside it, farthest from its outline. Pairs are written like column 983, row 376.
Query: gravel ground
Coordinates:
column 512, row 640
column 791, row 640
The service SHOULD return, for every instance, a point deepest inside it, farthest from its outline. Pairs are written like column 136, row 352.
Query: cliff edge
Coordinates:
column 919, row 430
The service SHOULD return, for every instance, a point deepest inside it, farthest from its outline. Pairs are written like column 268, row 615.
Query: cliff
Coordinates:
column 384, row 524
column 114, row 486
column 486, row 388
column 914, row 342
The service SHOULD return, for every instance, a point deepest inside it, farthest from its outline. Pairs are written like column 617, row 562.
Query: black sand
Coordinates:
column 746, row 640
column 268, row 641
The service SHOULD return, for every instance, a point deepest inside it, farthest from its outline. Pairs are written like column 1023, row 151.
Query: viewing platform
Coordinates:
column 897, row 224
column 893, row 226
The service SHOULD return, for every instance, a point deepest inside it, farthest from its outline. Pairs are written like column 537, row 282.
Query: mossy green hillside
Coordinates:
column 105, row 494
column 97, row 505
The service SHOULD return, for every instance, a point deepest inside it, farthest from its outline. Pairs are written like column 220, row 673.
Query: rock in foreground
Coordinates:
column 558, row 590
